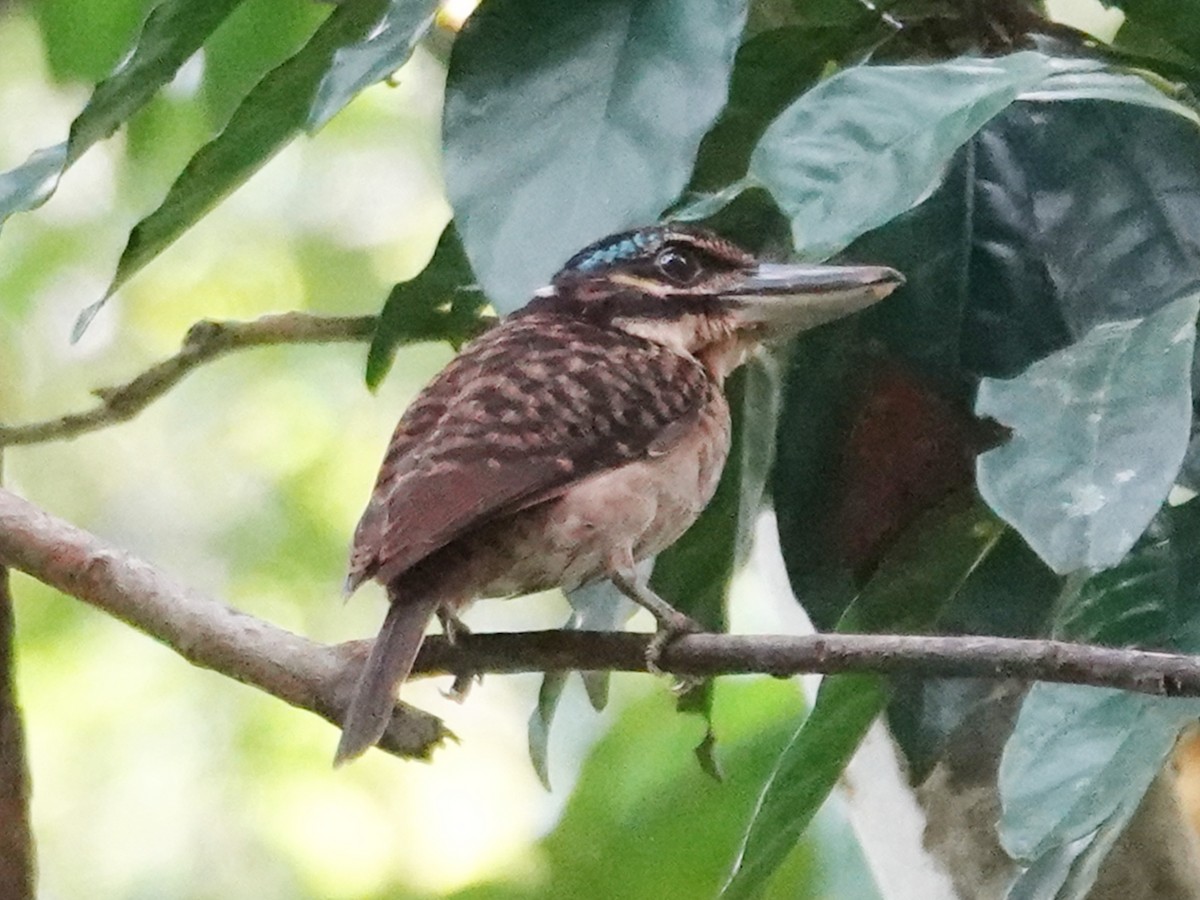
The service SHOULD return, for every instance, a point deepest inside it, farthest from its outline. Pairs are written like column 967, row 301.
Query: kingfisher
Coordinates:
column 584, row 433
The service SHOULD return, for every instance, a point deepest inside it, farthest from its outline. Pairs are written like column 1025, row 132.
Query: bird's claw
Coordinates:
column 669, row 628
column 461, row 687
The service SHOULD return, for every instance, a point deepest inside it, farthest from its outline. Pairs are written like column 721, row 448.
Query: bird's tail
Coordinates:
column 390, row 661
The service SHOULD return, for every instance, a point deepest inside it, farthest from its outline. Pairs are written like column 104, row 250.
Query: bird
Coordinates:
column 581, row 435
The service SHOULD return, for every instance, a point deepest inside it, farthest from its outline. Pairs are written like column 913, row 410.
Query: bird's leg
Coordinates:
column 454, row 629
column 671, row 622
column 452, row 626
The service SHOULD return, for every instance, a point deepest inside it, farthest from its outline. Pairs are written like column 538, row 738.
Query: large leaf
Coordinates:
column 566, row 121
column 922, row 574
column 1001, row 263
column 1080, row 759
column 641, row 800
column 813, row 425
column 870, row 142
column 804, row 774
column 1072, row 775
column 271, row 115
column 1099, row 433
column 173, row 32
column 1038, row 278
column 375, row 57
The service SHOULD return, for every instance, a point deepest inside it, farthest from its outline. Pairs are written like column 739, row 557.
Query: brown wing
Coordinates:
column 527, row 410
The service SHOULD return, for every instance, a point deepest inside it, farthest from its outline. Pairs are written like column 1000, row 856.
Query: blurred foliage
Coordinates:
column 1039, row 195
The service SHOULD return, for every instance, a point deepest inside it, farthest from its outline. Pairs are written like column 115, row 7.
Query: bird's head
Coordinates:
column 699, row 294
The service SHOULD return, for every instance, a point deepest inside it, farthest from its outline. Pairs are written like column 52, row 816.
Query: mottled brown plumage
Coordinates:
column 583, row 434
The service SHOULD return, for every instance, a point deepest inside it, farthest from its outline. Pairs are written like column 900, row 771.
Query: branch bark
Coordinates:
column 962, row 656
column 204, row 342
column 207, row 633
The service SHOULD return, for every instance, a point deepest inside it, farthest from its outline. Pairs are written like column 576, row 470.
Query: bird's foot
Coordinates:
column 455, row 629
column 670, row 626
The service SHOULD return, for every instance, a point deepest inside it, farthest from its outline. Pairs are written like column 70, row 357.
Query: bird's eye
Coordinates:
column 680, row 266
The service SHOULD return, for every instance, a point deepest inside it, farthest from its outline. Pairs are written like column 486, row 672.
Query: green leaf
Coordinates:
column 439, row 304
column 588, row 123
column 258, row 37
column 769, row 71
column 813, row 424
column 1080, row 759
column 270, row 116
column 173, row 32
column 32, row 183
column 372, row 59
column 641, row 800
column 919, row 577
column 596, row 607
column 1099, row 433
column 84, row 41
column 868, row 143
column 1085, row 83
column 695, row 572
column 540, row 720
column 804, row 774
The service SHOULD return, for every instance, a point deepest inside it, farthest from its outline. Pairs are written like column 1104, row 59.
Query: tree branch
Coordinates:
column 319, row 677
column 1141, row 671
column 204, row 342
column 207, row 633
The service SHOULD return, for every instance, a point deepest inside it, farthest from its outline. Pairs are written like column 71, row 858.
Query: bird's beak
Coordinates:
column 785, row 299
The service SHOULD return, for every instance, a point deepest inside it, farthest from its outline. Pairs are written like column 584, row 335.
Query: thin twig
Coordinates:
column 204, row 342
column 1145, row 672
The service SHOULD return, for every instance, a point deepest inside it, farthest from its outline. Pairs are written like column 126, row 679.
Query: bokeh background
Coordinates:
column 155, row 779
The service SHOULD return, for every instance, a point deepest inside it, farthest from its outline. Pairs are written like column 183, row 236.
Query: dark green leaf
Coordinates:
column 1099, row 433
column 1038, row 278
column 769, row 71
column 1175, row 23
column 566, row 121
column 804, row 774
column 694, row 573
column 1011, row 593
column 258, row 37
column 372, row 59
column 270, row 116
column 813, row 423
column 1080, row 759
column 439, row 304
